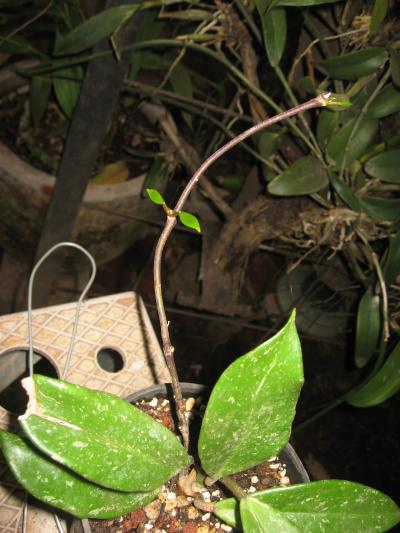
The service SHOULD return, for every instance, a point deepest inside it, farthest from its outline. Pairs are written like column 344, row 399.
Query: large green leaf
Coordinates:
column 378, row 15
column 251, row 408
column 305, row 176
column 100, row 436
column 381, row 208
column 94, row 29
column 391, row 263
column 368, row 327
column 328, row 122
column 39, row 97
column 385, row 166
column 67, row 87
column 355, row 64
column 258, row 517
column 274, row 31
column 386, row 103
column 329, row 506
column 395, row 66
column 384, row 384
column 61, row 488
column 269, row 142
column 359, row 143
column 345, row 192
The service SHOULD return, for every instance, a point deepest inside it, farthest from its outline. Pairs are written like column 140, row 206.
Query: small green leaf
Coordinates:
column 39, row 97
column 381, row 208
column 269, row 142
column 382, row 386
column 368, row 327
column 67, row 87
column 378, row 15
column 305, row 176
column 59, row 487
column 189, row 220
column 155, row 196
column 345, row 193
column 259, row 517
column 395, row 66
column 95, row 29
column 363, row 137
column 251, row 408
column 355, row 64
column 329, row 506
column 385, row 166
column 386, row 103
column 99, row 436
column 274, row 31
column 391, row 263
column 337, row 102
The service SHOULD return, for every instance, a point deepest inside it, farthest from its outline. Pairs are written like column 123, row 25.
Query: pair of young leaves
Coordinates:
column 94, row 455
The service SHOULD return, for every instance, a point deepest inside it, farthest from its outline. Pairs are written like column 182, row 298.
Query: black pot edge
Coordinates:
column 287, row 455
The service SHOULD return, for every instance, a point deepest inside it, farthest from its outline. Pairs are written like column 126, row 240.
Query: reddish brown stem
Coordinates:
column 168, row 348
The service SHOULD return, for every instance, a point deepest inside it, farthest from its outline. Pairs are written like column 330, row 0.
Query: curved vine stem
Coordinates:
column 168, row 348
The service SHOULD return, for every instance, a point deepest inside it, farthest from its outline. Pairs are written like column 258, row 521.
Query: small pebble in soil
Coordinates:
column 251, row 489
column 285, row 480
column 153, row 403
column 205, row 517
column 254, row 479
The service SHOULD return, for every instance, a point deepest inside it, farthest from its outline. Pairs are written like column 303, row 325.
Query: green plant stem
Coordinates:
column 294, row 102
column 359, row 119
column 233, row 487
column 249, row 19
column 168, row 348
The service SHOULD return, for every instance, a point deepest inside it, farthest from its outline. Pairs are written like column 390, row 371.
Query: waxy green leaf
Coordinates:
column 378, row 15
column 339, row 145
column 329, row 506
column 305, row 176
column 274, row 30
column 189, row 220
column 39, row 97
column 381, row 208
column 251, row 408
column 391, row 262
column 328, row 122
column 355, row 64
column 259, row 517
column 99, row 436
column 59, row 487
column 155, row 196
column 67, row 87
column 383, row 385
column 395, row 66
column 345, row 192
column 385, row 166
column 95, row 29
column 368, row 327
column 386, row 103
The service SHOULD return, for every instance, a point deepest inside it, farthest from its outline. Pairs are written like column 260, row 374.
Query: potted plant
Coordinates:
column 94, row 455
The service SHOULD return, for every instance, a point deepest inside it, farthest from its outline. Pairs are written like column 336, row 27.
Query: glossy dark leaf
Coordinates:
column 305, row 176
column 259, row 392
column 59, row 487
column 39, row 97
column 382, row 386
column 385, row 166
column 360, row 142
column 95, row 29
column 355, row 64
column 345, row 192
column 99, row 436
column 381, row 208
column 368, row 327
column 274, row 30
column 386, row 103
column 378, row 15
column 329, row 506
column 391, row 264
column 395, row 66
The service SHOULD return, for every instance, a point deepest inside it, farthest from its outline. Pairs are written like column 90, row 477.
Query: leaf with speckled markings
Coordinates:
column 251, row 408
column 61, row 488
column 328, row 506
column 258, row 516
column 99, row 436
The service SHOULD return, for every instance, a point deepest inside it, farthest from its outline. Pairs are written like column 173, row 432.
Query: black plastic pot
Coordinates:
column 295, row 469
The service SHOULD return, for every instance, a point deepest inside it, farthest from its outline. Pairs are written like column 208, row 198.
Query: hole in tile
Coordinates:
column 110, row 359
column 13, row 367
